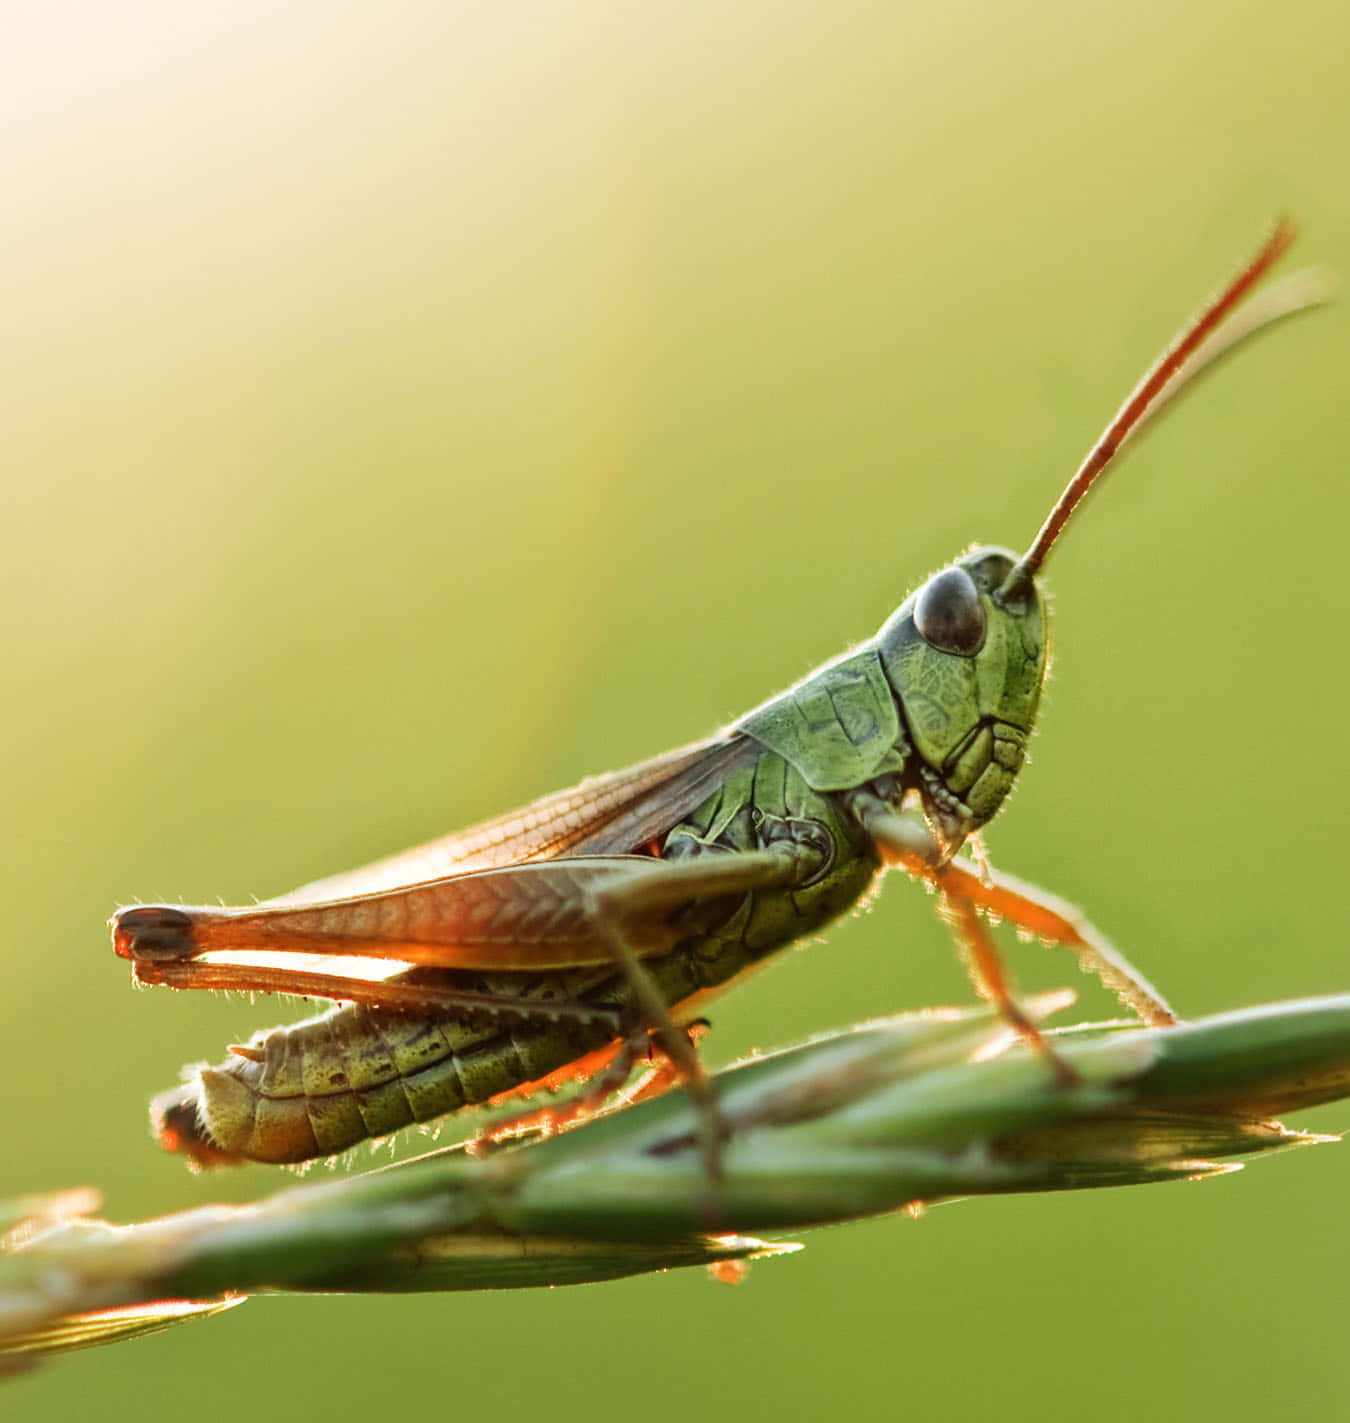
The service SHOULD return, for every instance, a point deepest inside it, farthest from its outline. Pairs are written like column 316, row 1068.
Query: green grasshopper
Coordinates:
column 567, row 940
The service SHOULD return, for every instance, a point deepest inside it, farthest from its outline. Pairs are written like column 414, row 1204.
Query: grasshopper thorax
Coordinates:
column 966, row 666
column 941, row 702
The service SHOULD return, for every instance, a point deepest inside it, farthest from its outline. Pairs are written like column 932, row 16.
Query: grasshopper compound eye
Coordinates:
column 948, row 614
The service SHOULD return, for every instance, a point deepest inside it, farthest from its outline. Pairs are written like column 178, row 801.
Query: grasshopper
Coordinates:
column 566, row 940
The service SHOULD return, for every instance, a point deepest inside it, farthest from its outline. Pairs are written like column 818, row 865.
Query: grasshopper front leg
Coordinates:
column 985, row 967
column 907, row 843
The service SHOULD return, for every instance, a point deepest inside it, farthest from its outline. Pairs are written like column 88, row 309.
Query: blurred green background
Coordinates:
column 412, row 408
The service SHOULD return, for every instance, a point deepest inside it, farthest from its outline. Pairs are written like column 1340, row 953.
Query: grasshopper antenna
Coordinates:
column 1195, row 348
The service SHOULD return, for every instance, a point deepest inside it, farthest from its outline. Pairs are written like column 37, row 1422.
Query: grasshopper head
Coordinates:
column 966, row 663
column 966, row 654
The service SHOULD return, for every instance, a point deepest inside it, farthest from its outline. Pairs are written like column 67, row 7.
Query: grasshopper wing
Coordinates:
column 603, row 815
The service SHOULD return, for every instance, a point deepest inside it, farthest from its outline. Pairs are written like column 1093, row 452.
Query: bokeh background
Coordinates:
column 409, row 409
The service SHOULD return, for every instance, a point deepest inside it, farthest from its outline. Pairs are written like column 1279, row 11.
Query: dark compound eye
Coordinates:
column 949, row 615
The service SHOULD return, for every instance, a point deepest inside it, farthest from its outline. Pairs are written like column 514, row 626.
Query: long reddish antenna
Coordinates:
column 1161, row 379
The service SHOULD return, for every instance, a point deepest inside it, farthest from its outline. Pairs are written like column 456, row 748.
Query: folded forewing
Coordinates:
column 560, row 913
column 613, row 813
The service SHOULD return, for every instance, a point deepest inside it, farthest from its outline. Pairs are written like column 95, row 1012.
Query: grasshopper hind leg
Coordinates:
column 651, row 1010
column 712, row 875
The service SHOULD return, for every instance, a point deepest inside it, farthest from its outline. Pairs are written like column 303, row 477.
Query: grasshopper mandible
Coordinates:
column 564, row 940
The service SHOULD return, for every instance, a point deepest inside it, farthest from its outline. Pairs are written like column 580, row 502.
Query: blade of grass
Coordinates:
column 905, row 1110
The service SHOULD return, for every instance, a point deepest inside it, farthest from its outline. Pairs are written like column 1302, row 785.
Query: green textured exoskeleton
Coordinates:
column 564, row 939
column 942, row 700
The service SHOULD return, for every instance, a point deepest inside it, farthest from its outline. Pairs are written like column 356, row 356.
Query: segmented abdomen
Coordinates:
column 320, row 1086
